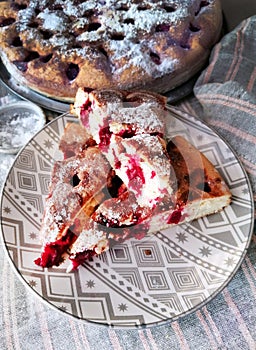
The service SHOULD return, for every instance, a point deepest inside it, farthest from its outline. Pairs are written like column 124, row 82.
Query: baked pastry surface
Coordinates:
column 124, row 178
column 54, row 47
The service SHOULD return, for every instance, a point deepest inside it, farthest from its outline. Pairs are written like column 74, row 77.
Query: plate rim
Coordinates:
column 177, row 114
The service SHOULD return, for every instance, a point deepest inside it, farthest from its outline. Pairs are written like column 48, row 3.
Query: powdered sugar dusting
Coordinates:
column 91, row 238
column 52, row 20
column 146, row 117
column 127, row 29
column 18, row 123
column 138, row 55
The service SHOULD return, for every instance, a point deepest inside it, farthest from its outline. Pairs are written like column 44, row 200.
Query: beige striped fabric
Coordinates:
column 225, row 93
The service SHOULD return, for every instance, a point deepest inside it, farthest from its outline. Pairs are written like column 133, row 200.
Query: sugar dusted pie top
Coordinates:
column 57, row 46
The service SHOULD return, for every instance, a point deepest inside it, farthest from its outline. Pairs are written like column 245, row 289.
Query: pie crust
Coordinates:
column 55, row 47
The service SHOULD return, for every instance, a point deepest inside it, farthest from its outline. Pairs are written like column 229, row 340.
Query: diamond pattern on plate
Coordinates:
column 26, row 181
column 148, row 254
column 131, row 275
column 137, row 283
column 26, row 161
column 34, row 200
column 120, row 254
column 184, row 279
column 44, row 166
column 156, row 280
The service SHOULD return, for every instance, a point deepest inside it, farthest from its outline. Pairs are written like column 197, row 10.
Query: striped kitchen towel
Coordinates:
column 225, row 93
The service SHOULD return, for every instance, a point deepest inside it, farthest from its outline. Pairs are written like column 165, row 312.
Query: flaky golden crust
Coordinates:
column 54, row 47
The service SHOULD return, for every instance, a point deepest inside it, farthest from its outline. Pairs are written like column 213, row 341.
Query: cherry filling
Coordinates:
column 204, row 3
column 16, row 42
column 57, row 7
column 6, row 22
column 175, row 217
column 23, row 65
column 126, row 133
column 143, row 7
column 155, row 58
column 86, row 108
column 204, row 186
column 33, row 24
column 129, row 21
column 81, row 257
column 117, row 162
column 122, row 7
column 136, row 231
column 103, row 51
column 46, row 34
column 115, row 186
column 117, row 36
column 105, row 221
column 135, row 174
column 46, row 58
column 18, row 7
column 75, row 180
column 72, row 71
column 163, row 27
column 115, row 223
column 153, row 174
column 53, row 252
column 105, row 136
column 169, row 8
column 185, row 46
column 93, row 26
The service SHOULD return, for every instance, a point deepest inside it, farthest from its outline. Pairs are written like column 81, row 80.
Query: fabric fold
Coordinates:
column 225, row 93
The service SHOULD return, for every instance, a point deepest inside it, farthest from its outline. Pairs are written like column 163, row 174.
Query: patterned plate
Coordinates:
column 137, row 283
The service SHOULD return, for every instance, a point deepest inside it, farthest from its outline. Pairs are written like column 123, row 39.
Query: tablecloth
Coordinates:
column 225, row 98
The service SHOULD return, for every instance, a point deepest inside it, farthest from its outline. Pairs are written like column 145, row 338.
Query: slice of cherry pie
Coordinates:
column 120, row 178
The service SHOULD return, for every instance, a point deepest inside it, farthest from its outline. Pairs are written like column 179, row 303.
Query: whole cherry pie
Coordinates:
column 56, row 46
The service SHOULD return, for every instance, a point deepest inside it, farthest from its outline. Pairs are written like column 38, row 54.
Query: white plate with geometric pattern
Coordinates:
column 136, row 283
